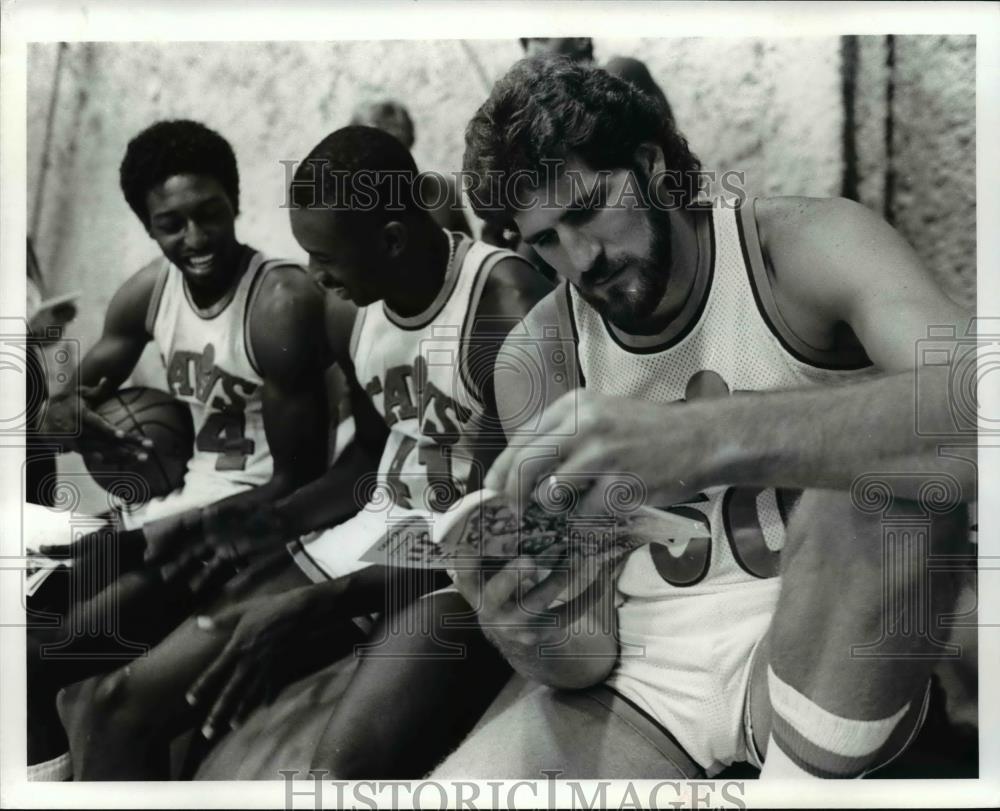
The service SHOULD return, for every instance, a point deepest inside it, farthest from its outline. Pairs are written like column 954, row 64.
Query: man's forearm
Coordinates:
column 827, row 437
column 330, row 499
column 373, row 589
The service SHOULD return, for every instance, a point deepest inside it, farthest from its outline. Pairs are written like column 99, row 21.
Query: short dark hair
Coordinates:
column 388, row 115
column 358, row 171
column 546, row 109
column 170, row 148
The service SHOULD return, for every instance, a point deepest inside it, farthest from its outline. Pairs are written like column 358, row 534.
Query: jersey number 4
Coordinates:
column 224, row 433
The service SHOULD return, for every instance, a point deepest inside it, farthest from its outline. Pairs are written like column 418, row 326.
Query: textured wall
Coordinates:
column 770, row 108
column 934, row 155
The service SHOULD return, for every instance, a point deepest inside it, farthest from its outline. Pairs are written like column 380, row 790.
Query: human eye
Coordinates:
column 168, row 224
column 545, row 239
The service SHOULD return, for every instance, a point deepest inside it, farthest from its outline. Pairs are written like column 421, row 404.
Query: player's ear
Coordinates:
column 394, row 238
column 649, row 157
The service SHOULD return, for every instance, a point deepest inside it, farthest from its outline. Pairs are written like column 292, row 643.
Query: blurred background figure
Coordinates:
column 579, row 49
column 436, row 188
column 46, row 319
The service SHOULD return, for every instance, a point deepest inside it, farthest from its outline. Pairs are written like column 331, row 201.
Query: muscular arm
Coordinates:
column 334, row 496
column 289, row 343
column 120, row 346
column 586, row 631
column 513, row 288
column 112, row 359
column 836, row 263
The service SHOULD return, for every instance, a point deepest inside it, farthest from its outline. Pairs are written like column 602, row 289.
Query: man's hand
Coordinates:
column 211, row 544
column 99, row 440
column 272, row 640
column 527, row 604
column 669, row 448
column 558, row 627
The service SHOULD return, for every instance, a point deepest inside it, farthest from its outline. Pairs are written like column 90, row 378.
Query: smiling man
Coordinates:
column 242, row 339
column 769, row 639
column 238, row 333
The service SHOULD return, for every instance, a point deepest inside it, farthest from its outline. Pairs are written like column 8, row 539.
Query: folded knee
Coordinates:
column 104, row 700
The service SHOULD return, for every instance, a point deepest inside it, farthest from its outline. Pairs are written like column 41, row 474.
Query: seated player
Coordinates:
column 434, row 307
column 242, row 340
column 437, row 190
column 770, row 639
column 221, row 315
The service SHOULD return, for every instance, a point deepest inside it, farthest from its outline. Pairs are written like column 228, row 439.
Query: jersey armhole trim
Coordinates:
column 489, row 262
column 452, row 273
column 567, row 326
column 153, row 308
column 355, row 342
column 760, row 285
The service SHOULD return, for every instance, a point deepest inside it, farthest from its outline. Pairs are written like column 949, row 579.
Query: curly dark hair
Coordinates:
column 361, row 172
column 169, row 148
column 547, row 109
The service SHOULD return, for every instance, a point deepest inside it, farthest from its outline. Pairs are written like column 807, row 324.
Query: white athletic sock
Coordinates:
column 818, row 742
column 60, row 768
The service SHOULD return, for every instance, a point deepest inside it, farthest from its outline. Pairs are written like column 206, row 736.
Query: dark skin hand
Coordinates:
column 276, row 639
column 221, row 539
column 268, row 636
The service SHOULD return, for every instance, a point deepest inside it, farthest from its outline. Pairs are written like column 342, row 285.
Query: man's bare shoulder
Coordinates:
column 790, row 219
column 127, row 310
column 808, row 242
column 286, row 323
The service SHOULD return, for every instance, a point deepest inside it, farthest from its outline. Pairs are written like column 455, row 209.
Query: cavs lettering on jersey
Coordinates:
column 210, row 366
column 689, row 617
column 414, row 370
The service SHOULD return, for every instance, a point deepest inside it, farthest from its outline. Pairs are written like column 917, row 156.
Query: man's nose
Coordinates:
column 583, row 254
column 194, row 236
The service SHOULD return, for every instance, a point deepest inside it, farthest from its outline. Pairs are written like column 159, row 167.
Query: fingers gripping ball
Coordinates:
column 156, row 416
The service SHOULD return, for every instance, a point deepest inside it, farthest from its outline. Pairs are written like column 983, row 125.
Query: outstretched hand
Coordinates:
column 272, row 641
column 70, row 420
column 218, row 542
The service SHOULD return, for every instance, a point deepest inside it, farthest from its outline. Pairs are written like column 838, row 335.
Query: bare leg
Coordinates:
column 119, row 725
column 840, row 680
column 415, row 694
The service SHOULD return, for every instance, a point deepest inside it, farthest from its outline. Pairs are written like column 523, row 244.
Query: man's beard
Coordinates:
column 630, row 308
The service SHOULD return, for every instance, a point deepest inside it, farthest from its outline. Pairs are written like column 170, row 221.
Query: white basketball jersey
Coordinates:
column 416, row 372
column 734, row 343
column 691, row 611
column 210, row 366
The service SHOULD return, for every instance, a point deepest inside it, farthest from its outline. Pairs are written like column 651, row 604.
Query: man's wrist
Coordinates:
column 724, row 456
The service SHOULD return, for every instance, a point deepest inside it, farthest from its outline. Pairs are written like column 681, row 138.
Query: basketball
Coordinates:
column 157, row 416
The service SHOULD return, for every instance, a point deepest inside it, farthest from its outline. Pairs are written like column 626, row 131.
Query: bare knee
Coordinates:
column 860, row 551
column 103, row 701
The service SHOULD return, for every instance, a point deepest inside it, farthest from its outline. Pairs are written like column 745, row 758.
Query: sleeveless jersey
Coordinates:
column 416, row 372
column 210, row 366
column 690, row 611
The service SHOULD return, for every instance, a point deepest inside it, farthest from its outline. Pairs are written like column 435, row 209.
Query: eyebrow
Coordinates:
column 215, row 199
column 581, row 200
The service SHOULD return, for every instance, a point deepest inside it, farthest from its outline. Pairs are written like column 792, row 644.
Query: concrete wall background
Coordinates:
column 772, row 108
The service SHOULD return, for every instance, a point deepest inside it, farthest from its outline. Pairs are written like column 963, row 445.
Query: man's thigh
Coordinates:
column 579, row 734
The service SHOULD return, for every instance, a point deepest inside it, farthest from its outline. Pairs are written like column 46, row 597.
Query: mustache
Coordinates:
column 602, row 269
